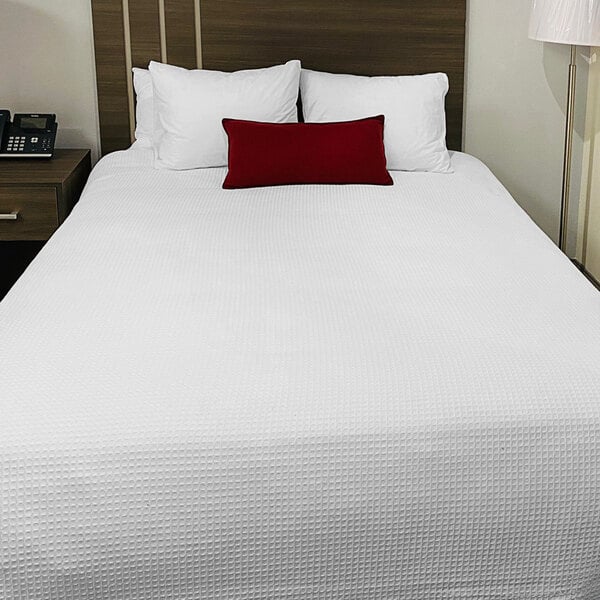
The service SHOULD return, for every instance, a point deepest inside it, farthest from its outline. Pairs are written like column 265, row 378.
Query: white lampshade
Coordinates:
column 575, row 22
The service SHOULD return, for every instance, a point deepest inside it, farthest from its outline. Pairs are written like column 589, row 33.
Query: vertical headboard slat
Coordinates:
column 111, row 75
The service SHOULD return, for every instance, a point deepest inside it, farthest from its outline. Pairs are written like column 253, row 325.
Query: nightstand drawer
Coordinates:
column 27, row 213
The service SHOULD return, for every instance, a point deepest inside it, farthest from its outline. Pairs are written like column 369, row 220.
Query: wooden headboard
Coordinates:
column 363, row 37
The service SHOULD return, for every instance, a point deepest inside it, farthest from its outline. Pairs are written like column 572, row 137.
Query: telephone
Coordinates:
column 27, row 136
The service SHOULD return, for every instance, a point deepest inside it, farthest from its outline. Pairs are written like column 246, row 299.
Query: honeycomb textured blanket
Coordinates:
column 310, row 393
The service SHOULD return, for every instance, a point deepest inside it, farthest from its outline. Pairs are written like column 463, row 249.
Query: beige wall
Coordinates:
column 590, row 210
column 515, row 109
column 47, row 65
column 514, row 112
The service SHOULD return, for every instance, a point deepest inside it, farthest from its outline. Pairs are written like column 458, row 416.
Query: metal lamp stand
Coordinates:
column 568, row 153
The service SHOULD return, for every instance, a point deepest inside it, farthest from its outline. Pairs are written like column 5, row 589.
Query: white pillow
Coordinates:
column 415, row 118
column 144, row 106
column 190, row 105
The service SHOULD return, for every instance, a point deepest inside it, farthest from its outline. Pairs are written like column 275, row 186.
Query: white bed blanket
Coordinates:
column 309, row 393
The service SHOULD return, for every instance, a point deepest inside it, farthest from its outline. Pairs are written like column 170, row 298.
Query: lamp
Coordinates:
column 574, row 22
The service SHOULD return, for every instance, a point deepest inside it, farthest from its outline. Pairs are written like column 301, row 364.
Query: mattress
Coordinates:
column 309, row 392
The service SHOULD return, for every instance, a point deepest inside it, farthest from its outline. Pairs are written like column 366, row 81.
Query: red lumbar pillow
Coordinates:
column 286, row 153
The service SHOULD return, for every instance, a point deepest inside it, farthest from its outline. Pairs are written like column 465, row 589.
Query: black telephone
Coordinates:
column 27, row 136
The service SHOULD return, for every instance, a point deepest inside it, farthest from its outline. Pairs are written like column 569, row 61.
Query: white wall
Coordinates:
column 514, row 114
column 590, row 209
column 515, row 109
column 47, row 65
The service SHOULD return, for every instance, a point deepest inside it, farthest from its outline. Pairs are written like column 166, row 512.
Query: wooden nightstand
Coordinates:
column 36, row 196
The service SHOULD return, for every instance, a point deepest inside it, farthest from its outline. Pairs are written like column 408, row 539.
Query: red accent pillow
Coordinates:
column 286, row 153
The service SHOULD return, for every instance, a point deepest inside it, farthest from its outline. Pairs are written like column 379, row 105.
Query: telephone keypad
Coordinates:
column 16, row 143
column 25, row 136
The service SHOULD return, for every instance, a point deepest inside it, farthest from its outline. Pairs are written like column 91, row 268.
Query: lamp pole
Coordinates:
column 568, row 152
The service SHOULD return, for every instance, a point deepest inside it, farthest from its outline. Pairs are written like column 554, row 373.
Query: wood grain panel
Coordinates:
column 42, row 172
column 42, row 191
column 365, row 37
column 382, row 37
column 70, row 190
column 181, row 33
column 37, row 213
column 144, row 26
column 111, row 75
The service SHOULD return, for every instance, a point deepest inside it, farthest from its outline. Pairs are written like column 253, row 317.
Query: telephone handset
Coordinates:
column 4, row 123
column 27, row 136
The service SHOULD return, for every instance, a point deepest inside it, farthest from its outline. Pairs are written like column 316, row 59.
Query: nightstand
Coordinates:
column 36, row 196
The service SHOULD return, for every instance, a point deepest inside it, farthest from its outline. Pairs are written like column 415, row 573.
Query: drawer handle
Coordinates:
column 9, row 216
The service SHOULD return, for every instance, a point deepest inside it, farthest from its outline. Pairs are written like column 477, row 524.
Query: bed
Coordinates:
column 299, row 392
